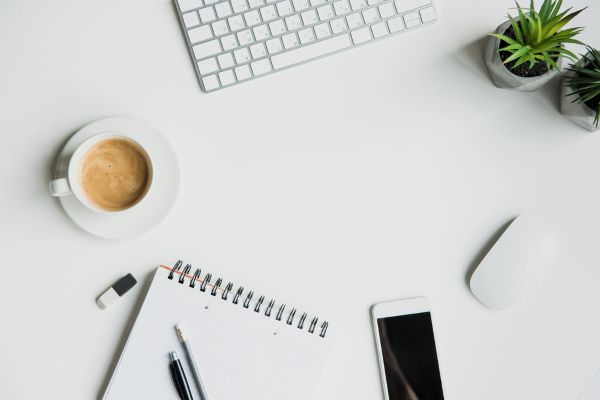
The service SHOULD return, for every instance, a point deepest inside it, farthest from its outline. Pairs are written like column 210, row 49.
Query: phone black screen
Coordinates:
column 410, row 358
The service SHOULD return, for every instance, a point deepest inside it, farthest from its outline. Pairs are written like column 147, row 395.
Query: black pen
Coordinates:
column 181, row 383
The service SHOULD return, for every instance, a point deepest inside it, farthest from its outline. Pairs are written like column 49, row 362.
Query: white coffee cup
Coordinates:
column 71, row 185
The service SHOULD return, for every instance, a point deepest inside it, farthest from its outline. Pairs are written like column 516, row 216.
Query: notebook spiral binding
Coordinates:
column 184, row 272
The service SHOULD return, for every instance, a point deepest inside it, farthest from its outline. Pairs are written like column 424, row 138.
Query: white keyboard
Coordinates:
column 236, row 40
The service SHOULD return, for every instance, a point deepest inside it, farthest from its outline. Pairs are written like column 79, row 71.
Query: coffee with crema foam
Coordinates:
column 115, row 174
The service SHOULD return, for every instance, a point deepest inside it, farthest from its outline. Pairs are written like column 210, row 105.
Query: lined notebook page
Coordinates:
column 240, row 354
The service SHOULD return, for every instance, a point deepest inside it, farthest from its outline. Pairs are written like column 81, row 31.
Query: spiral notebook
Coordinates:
column 246, row 346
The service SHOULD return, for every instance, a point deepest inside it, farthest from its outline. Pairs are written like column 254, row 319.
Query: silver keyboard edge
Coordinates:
column 190, row 50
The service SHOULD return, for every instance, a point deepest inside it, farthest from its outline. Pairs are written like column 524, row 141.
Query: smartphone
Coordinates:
column 406, row 348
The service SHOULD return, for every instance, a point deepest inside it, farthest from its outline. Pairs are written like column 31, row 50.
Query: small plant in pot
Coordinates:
column 527, row 51
column 581, row 91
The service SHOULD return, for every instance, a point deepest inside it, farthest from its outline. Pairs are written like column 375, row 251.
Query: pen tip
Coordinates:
column 174, row 356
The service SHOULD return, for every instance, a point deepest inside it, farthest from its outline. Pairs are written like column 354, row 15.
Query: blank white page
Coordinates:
column 240, row 353
column 593, row 390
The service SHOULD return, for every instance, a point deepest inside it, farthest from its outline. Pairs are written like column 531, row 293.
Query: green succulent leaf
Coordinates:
column 518, row 54
column 505, row 39
column 585, row 80
column 539, row 35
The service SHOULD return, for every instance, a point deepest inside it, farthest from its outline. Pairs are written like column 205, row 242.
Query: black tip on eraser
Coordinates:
column 123, row 285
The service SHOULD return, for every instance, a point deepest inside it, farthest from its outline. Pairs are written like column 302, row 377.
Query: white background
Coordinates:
column 376, row 174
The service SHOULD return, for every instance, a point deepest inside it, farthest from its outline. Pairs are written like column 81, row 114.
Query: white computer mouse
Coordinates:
column 512, row 264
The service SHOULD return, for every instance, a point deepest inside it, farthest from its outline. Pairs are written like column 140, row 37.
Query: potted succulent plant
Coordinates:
column 581, row 91
column 526, row 52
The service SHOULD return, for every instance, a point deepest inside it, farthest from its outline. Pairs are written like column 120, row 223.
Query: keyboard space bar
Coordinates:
column 311, row 51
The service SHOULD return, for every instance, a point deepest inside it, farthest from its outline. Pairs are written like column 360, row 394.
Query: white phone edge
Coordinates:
column 413, row 305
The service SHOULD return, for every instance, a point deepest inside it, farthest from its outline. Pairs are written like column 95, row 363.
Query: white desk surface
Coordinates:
column 376, row 174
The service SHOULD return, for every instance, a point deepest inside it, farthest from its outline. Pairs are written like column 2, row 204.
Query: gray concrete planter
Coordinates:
column 577, row 112
column 505, row 79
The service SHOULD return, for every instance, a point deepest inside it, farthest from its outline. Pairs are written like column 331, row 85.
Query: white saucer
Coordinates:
column 157, row 203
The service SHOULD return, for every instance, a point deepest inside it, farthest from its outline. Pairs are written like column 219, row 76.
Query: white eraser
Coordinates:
column 117, row 290
column 107, row 298
column 180, row 334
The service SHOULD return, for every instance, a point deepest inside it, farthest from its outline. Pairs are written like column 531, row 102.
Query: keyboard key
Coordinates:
column 207, row 14
column 236, row 40
column 274, row 46
column 412, row 19
column 206, row 49
column 261, row 67
column 242, row 55
column 325, row 12
column 245, row 37
column 361, row 35
column 309, row 17
column 300, row 5
column 310, row 51
column 261, row 32
column 226, row 60
column 200, row 34
column 341, row 7
column 396, row 24
column 359, row 4
column 220, row 28
column 306, row 35
column 277, row 27
column 191, row 19
column 186, row 5
column 236, row 22
column 386, row 10
column 379, row 30
column 284, row 8
column 239, row 6
column 258, row 50
column 207, row 66
column 293, row 22
column 428, row 15
column 370, row 15
column 210, row 83
column 338, row 25
column 354, row 20
column 229, row 42
column 290, row 40
column 407, row 5
column 223, row 9
column 227, row 77
column 268, row 13
column 322, row 31
column 243, row 72
column 252, row 18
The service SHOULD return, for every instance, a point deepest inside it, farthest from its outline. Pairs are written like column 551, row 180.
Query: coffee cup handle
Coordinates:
column 60, row 187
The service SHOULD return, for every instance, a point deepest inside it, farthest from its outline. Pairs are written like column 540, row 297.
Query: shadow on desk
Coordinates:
column 470, row 57
column 551, row 93
column 147, row 280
